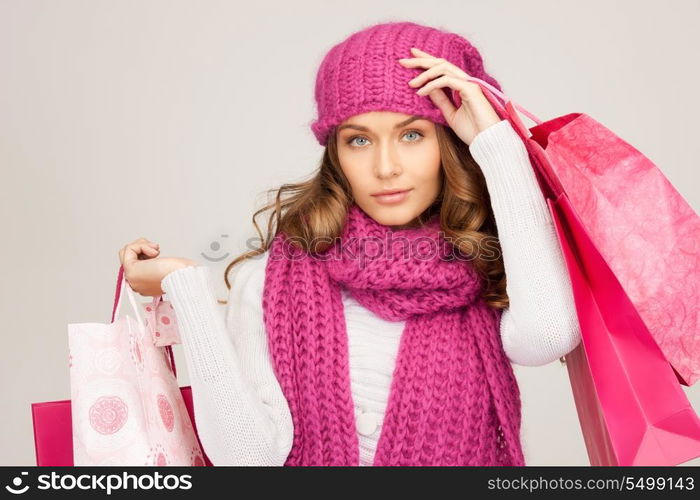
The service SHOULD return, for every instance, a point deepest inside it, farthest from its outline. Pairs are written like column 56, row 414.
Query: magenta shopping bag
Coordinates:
column 644, row 229
column 631, row 407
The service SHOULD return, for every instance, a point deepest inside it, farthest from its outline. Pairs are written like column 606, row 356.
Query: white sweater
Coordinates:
column 240, row 411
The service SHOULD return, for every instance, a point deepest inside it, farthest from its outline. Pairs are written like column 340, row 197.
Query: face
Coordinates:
column 386, row 151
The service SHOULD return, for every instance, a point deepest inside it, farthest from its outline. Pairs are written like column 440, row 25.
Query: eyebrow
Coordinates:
column 365, row 129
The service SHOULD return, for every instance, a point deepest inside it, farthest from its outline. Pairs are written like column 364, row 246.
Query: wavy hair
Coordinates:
column 315, row 210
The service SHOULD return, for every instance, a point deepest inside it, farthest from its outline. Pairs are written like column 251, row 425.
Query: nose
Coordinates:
column 386, row 164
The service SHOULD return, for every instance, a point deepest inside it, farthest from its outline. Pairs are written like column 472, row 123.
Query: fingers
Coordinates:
column 147, row 251
column 139, row 249
column 440, row 76
column 442, row 102
column 146, row 241
column 416, row 50
column 138, row 252
column 443, row 81
column 130, row 255
column 436, row 66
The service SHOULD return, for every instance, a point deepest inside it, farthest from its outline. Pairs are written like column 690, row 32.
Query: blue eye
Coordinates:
column 413, row 132
column 352, row 142
column 356, row 137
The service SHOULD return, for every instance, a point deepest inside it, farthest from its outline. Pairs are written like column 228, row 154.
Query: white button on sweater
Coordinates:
column 241, row 414
column 366, row 422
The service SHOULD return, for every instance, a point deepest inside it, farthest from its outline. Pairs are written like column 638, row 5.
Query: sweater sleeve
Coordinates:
column 240, row 411
column 540, row 325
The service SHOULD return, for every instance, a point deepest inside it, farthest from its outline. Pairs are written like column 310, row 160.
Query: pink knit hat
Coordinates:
column 362, row 73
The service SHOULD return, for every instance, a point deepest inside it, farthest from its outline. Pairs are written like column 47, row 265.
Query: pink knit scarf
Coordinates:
column 454, row 399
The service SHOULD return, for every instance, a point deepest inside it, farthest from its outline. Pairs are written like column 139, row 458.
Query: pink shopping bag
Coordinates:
column 630, row 405
column 53, row 433
column 645, row 230
column 126, row 406
column 161, row 321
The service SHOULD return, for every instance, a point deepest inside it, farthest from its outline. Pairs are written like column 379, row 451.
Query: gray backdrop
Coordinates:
column 169, row 120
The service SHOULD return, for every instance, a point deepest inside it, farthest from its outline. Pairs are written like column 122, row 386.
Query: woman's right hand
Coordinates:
column 144, row 270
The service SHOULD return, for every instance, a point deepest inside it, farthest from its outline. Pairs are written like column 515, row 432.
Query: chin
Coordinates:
column 398, row 216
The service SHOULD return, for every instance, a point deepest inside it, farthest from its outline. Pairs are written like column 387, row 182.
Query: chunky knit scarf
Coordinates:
column 453, row 400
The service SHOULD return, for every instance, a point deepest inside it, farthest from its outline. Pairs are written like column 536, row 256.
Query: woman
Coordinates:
column 373, row 328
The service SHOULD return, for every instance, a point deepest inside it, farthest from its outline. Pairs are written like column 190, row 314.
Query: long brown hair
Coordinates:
column 315, row 211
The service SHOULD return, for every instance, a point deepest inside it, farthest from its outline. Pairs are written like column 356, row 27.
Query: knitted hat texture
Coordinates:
column 362, row 73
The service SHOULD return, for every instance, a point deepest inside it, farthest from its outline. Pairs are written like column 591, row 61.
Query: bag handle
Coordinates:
column 549, row 182
column 122, row 283
column 506, row 103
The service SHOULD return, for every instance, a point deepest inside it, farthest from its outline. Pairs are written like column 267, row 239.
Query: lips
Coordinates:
column 387, row 192
column 391, row 197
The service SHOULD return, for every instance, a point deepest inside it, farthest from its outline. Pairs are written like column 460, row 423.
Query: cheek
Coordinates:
column 355, row 172
column 431, row 183
column 426, row 166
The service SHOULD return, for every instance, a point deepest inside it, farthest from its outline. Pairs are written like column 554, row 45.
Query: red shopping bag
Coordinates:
column 631, row 407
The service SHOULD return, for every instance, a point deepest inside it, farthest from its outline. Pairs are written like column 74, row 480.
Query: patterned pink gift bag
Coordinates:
column 127, row 408
column 161, row 321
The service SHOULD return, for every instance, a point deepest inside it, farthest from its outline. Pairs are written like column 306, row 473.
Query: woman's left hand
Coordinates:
column 475, row 113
